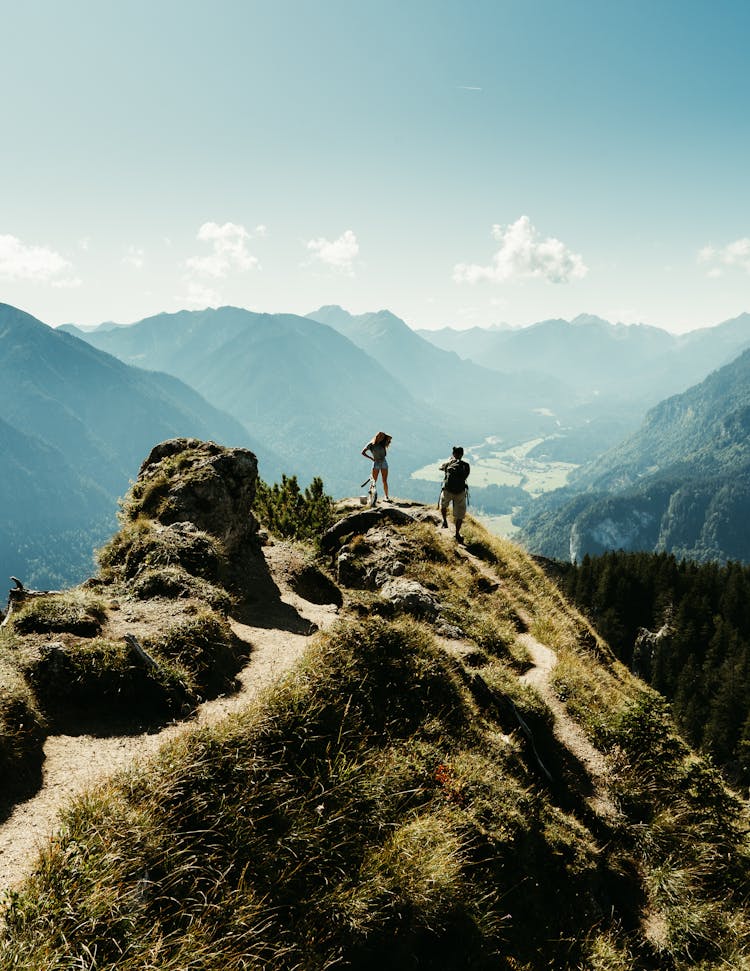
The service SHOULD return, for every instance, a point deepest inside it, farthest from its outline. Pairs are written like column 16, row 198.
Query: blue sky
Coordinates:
column 458, row 163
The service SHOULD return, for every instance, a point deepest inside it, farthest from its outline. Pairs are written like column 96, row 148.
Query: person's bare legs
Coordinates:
column 443, row 506
column 459, row 537
column 385, row 482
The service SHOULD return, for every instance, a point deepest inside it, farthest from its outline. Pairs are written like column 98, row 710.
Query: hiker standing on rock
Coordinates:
column 376, row 450
column 454, row 489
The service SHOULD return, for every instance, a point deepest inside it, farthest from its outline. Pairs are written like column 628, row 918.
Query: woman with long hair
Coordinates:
column 376, row 450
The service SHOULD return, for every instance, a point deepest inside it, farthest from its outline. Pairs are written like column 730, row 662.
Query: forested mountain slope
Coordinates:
column 680, row 484
column 685, row 629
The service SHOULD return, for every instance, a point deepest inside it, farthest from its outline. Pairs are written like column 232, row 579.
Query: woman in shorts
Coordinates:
column 376, row 450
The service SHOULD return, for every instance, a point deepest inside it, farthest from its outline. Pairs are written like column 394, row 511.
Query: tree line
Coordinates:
column 698, row 652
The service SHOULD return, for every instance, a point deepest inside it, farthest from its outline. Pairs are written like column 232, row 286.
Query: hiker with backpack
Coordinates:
column 376, row 450
column 455, row 489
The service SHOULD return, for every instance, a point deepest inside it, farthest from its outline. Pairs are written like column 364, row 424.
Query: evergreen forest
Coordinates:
column 684, row 627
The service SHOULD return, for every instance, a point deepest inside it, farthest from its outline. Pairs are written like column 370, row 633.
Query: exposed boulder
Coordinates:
column 368, row 561
column 298, row 569
column 179, row 545
column 408, row 596
column 312, row 584
column 357, row 523
column 646, row 644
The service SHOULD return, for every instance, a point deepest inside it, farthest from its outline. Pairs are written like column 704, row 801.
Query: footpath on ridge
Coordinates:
column 567, row 731
column 74, row 763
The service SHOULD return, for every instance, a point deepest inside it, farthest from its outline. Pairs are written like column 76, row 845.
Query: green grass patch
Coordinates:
column 382, row 806
column 22, row 730
column 203, row 650
column 361, row 816
column 73, row 612
column 100, row 685
column 144, row 545
column 175, row 583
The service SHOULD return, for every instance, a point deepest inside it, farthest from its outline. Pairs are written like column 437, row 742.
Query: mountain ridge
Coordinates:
column 329, row 397
column 455, row 774
column 657, row 359
column 85, row 419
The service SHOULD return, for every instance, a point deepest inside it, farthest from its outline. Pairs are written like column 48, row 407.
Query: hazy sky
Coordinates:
column 456, row 162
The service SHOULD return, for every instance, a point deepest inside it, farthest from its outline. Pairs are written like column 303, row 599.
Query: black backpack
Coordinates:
column 456, row 475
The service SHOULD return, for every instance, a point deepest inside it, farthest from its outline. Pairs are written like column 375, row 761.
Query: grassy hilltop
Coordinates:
column 458, row 775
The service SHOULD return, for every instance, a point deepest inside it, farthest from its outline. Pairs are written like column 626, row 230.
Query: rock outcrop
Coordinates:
column 196, row 498
column 205, row 484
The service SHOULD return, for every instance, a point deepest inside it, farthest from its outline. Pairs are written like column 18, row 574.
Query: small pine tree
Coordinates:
column 288, row 512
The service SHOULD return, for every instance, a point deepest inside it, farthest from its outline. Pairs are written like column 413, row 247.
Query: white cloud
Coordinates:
column 24, row 261
column 736, row 254
column 523, row 255
column 338, row 253
column 134, row 257
column 229, row 251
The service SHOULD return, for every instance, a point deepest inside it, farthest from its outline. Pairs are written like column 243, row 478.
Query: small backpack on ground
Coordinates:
column 456, row 475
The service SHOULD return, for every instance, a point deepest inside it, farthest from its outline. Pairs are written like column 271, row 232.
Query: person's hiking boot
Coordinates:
column 459, row 539
column 443, row 525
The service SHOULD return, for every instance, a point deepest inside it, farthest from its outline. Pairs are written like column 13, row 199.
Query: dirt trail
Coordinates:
column 73, row 763
column 567, row 731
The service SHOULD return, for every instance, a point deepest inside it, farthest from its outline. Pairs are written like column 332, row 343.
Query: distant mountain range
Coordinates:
column 295, row 383
column 471, row 397
column 76, row 423
column 680, row 484
column 581, row 385
column 597, row 357
column 306, row 393
column 615, row 371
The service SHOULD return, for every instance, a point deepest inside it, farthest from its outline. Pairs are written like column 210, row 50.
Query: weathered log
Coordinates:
column 18, row 595
column 142, row 653
column 154, row 666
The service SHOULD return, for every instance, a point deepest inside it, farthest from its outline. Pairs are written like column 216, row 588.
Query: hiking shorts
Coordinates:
column 459, row 502
column 382, row 464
